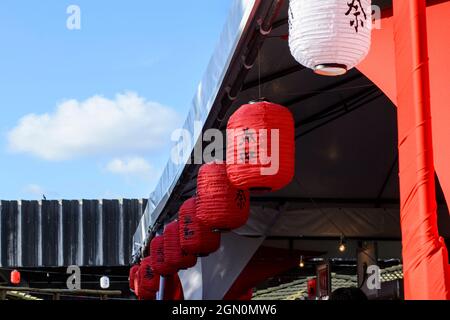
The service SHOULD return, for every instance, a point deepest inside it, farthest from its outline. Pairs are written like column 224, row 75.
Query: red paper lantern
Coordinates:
column 148, row 280
column 136, row 282
column 173, row 255
column 132, row 276
column 312, row 289
column 158, row 258
column 15, row 277
column 261, row 147
column 195, row 237
column 139, row 291
column 219, row 205
column 147, row 295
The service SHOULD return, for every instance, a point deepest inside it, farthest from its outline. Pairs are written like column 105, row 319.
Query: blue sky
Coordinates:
column 88, row 113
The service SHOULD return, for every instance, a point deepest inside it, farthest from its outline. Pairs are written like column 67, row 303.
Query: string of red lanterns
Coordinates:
column 261, row 137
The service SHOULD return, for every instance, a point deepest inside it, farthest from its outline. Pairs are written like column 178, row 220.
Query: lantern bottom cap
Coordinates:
column 330, row 69
column 260, row 189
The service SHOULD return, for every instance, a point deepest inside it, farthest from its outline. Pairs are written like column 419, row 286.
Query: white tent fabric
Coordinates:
column 214, row 275
column 326, row 222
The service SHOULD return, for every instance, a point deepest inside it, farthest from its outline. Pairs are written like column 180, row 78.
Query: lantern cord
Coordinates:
column 259, row 73
column 279, row 36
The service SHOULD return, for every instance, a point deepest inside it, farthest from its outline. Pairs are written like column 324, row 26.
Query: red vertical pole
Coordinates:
column 425, row 258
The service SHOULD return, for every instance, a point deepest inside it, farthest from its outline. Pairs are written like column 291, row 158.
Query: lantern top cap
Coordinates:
column 259, row 100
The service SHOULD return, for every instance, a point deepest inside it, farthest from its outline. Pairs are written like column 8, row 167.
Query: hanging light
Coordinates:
column 158, row 258
column 302, row 262
column 195, row 237
column 104, row 282
column 173, row 255
column 261, row 147
column 15, row 277
column 330, row 36
column 132, row 276
column 342, row 244
column 219, row 205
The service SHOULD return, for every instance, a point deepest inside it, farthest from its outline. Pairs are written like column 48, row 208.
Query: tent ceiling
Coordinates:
column 346, row 136
column 346, row 130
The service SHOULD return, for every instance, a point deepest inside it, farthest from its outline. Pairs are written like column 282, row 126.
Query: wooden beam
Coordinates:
column 64, row 291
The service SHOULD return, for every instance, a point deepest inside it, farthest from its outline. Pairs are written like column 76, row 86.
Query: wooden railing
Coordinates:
column 57, row 293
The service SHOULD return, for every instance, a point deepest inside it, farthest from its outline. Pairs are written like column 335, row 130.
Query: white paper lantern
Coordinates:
column 104, row 282
column 330, row 36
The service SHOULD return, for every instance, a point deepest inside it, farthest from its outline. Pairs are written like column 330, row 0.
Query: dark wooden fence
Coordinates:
column 68, row 232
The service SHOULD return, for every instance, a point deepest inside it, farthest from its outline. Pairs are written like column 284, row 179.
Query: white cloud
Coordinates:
column 34, row 190
column 96, row 126
column 132, row 166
